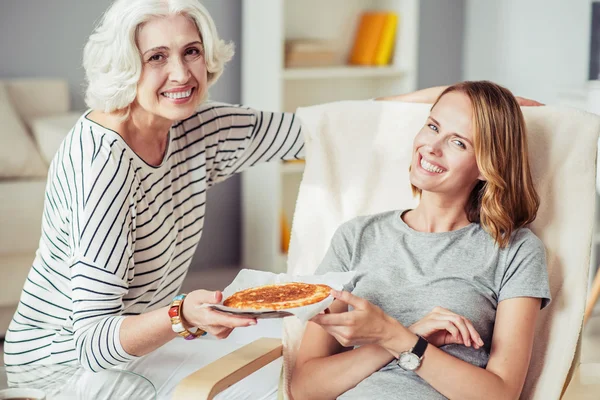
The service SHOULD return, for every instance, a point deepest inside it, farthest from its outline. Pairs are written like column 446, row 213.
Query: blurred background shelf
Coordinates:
column 269, row 191
column 342, row 72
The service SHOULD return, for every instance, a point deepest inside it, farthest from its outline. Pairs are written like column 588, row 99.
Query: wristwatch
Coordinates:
column 411, row 360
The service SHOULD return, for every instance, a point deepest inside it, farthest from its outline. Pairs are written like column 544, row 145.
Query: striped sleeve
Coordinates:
column 237, row 138
column 102, row 242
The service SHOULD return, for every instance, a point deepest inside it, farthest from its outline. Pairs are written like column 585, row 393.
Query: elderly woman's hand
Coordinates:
column 214, row 322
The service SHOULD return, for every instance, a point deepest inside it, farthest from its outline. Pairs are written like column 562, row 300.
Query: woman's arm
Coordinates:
column 507, row 366
column 321, row 358
column 456, row 379
column 102, row 267
column 144, row 333
column 234, row 138
column 430, row 95
column 427, row 96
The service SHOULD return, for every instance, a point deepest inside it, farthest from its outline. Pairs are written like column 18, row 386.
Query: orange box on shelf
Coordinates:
column 374, row 39
column 367, row 38
column 385, row 47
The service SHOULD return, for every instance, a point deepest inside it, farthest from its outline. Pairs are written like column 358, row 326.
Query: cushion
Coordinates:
column 19, row 156
column 34, row 98
column 21, row 209
column 49, row 132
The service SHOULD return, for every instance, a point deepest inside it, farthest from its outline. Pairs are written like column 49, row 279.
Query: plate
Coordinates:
column 264, row 314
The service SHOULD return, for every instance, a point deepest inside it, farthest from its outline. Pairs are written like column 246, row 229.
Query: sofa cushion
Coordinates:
column 21, row 209
column 34, row 98
column 49, row 132
column 19, row 156
column 14, row 268
column 6, row 314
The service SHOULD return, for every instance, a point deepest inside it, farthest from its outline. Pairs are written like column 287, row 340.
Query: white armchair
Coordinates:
column 357, row 158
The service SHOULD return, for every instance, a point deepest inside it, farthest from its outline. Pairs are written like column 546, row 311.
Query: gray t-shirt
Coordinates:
column 407, row 273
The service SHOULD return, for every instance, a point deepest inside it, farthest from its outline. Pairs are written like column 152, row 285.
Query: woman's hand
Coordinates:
column 366, row 324
column 523, row 102
column 442, row 326
column 214, row 322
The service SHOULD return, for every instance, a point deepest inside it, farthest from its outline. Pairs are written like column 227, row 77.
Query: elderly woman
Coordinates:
column 126, row 194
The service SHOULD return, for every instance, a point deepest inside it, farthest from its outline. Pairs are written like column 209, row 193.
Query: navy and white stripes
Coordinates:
column 118, row 234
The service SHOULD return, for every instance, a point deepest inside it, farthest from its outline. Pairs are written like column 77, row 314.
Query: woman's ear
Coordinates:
column 480, row 176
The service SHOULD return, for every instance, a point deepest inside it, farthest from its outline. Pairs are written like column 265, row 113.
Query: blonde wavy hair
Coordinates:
column 506, row 200
column 112, row 61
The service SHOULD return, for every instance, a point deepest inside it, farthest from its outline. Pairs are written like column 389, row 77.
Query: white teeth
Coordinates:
column 429, row 167
column 178, row 95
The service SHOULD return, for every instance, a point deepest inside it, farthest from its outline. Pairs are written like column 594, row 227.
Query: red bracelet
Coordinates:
column 177, row 323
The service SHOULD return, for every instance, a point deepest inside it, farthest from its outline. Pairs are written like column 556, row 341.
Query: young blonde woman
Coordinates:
column 446, row 296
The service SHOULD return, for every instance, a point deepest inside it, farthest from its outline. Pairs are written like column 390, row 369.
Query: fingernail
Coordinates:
column 252, row 322
column 480, row 342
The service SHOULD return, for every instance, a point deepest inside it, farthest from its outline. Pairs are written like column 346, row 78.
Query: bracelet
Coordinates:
column 177, row 323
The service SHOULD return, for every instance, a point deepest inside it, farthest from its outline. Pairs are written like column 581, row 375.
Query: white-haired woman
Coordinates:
column 126, row 193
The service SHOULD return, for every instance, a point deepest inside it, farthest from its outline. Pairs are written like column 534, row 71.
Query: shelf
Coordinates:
column 271, row 189
column 292, row 168
column 342, row 72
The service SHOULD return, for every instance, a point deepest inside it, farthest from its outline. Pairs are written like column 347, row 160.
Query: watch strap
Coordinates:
column 420, row 347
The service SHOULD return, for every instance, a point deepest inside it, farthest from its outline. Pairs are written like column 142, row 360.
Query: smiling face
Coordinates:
column 174, row 76
column 443, row 153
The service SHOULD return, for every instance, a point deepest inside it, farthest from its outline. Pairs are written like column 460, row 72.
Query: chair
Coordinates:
column 357, row 163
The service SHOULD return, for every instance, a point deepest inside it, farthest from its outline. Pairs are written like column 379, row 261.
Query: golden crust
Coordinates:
column 279, row 296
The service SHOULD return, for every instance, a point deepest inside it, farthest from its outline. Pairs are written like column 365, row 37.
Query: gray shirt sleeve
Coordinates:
column 525, row 269
column 339, row 254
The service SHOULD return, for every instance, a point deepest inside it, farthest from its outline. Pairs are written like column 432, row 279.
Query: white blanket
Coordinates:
column 358, row 154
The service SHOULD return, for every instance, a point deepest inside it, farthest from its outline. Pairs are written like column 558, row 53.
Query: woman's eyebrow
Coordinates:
column 166, row 48
column 156, row 49
column 435, row 121
column 463, row 138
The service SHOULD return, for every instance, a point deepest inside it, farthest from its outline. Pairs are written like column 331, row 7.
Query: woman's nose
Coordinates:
column 179, row 72
column 434, row 147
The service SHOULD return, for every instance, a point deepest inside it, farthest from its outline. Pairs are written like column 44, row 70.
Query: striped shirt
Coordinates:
column 118, row 235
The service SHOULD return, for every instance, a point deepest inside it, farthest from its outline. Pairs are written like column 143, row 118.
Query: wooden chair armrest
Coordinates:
column 585, row 384
column 217, row 376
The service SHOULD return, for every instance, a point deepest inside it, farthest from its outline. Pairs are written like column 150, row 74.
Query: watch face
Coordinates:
column 409, row 361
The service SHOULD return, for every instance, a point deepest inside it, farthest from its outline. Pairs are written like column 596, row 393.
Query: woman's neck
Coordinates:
column 434, row 214
column 147, row 135
column 146, row 126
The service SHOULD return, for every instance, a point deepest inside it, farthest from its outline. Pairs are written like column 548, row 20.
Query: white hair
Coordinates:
column 111, row 58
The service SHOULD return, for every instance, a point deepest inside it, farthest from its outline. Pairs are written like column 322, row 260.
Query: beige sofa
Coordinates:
column 34, row 118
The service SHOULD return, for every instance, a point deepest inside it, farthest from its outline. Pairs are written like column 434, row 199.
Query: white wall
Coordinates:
column 441, row 30
column 536, row 48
